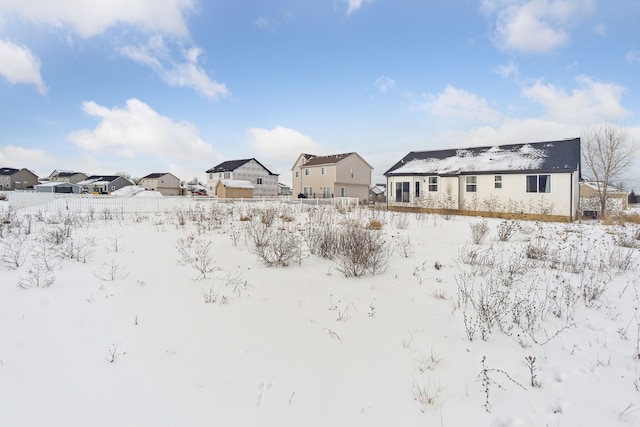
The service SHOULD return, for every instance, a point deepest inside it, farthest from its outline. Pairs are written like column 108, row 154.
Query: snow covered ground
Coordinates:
column 173, row 319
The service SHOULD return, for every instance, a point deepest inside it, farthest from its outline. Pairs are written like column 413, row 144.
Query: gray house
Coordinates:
column 103, row 184
column 58, row 187
column 538, row 180
column 264, row 181
column 17, row 179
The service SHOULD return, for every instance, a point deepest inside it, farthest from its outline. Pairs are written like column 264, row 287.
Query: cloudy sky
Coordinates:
column 142, row 86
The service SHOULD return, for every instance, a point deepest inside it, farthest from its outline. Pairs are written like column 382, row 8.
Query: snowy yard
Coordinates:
column 175, row 319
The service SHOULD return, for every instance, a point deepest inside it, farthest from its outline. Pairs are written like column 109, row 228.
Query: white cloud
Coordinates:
column 279, row 147
column 19, row 157
column 385, row 83
column 459, row 104
column 188, row 73
column 535, row 26
column 280, row 142
column 138, row 131
column 509, row 71
column 90, row 18
column 633, row 57
column 354, row 5
column 19, row 65
column 592, row 101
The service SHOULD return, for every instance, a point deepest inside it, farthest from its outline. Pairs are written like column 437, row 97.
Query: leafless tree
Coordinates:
column 607, row 153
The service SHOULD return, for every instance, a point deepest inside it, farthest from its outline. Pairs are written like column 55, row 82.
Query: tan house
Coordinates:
column 67, row 176
column 165, row 183
column 336, row 175
column 617, row 199
column 234, row 189
column 17, row 179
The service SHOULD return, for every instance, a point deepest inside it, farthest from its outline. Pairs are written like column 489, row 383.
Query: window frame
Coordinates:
column 534, row 183
column 307, row 171
column 497, row 182
column 259, row 180
column 344, row 191
column 432, row 182
column 402, row 192
column 471, row 183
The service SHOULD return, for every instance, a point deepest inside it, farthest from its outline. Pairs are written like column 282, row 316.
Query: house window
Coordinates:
column 497, row 181
column 538, row 183
column 433, row 183
column 402, row 192
column 417, row 189
column 227, row 175
column 259, row 181
column 344, row 192
column 211, row 176
column 308, row 191
column 307, row 171
column 352, row 173
column 326, row 192
column 297, row 174
column 471, row 183
column 323, row 171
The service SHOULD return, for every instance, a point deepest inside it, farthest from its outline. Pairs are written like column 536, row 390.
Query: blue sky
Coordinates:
column 143, row 86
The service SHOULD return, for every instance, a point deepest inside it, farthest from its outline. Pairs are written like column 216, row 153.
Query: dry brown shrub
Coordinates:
column 374, row 224
column 245, row 218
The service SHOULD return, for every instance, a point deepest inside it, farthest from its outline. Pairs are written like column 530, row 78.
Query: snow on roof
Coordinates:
column 129, row 190
column 493, row 159
column 56, row 184
column 236, row 183
column 149, row 193
column 610, row 188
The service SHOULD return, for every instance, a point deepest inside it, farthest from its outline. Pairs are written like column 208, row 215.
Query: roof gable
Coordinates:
column 548, row 156
column 232, row 165
column 312, row 160
column 8, row 171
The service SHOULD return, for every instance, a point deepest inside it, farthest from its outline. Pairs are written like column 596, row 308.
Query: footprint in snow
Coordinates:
column 262, row 389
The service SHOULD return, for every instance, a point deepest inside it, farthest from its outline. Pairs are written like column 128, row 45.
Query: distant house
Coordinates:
column 58, row 187
column 103, row 184
column 534, row 180
column 264, row 181
column 378, row 193
column 617, row 199
column 234, row 189
column 17, row 179
column 336, row 175
column 284, row 190
column 165, row 183
column 67, row 176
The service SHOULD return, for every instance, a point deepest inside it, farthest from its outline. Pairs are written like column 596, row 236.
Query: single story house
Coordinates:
column 264, row 180
column 165, row 183
column 58, row 187
column 234, row 189
column 538, row 180
column 104, row 184
column 617, row 199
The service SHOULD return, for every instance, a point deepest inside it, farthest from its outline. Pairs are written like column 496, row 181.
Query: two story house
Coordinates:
column 336, row 175
column 263, row 180
column 165, row 183
column 72, row 177
column 538, row 180
column 17, row 179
